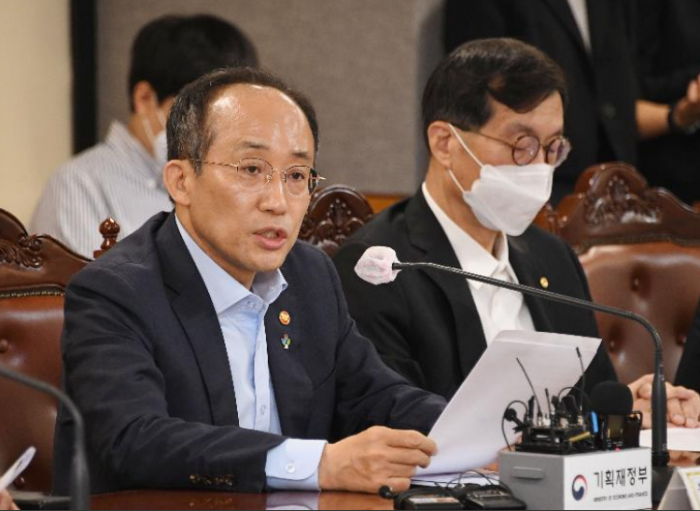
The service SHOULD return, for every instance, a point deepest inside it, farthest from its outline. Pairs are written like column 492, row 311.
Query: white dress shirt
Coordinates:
column 294, row 464
column 499, row 309
column 117, row 178
column 579, row 8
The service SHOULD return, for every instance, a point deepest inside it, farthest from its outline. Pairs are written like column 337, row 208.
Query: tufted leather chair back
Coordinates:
column 335, row 213
column 34, row 272
column 640, row 248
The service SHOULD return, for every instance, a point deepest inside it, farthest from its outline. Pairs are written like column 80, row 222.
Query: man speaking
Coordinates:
column 212, row 350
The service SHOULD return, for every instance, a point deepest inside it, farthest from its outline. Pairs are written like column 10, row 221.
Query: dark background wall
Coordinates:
column 363, row 63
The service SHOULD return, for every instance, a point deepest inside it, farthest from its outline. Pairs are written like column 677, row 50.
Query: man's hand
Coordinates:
column 683, row 404
column 6, row 501
column 687, row 111
column 375, row 458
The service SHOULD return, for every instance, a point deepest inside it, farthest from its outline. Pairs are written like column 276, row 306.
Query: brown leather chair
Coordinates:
column 335, row 213
column 640, row 248
column 34, row 273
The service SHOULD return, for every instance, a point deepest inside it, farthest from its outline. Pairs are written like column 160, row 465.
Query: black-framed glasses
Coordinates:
column 527, row 147
column 254, row 174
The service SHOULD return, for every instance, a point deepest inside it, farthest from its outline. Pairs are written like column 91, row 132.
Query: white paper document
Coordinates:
column 16, row 470
column 468, row 433
column 679, row 439
column 683, row 492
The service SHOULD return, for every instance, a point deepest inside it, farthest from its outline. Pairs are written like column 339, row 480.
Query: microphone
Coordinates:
column 380, row 265
column 80, row 477
column 612, row 398
column 619, row 425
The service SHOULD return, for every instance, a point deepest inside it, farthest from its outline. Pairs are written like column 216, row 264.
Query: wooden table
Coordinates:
column 185, row 499
column 149, row 499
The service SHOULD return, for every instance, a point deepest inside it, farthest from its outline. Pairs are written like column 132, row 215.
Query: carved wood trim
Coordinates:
column 33, row 263
column 109, row 229
column 614, row 204
column 335, row 213
column 26, row 252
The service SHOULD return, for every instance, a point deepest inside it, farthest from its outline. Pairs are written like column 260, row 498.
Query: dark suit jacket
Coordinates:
column 426, row 325
column 689, row 368
column 145, row 361
column 669, row 55
column 600, row 119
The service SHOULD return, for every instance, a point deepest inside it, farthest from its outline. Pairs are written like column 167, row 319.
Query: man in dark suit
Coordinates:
column 594, row 45
column 493, row 116
column 210, row 349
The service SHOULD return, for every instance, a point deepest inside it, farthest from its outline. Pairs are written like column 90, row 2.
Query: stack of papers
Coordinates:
column 679, row 439
column 468, row 433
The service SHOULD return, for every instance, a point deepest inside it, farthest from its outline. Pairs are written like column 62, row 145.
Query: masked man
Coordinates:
column 493, row 115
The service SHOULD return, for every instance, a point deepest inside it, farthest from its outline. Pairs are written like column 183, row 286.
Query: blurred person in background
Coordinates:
column 591, row 41
column 669, row 62
column 121, row 177
column 595, row 42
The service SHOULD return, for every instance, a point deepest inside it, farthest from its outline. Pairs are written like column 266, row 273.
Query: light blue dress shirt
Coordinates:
column 293, row 465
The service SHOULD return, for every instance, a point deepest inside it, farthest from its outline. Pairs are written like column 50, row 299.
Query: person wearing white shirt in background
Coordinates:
column 121, row 178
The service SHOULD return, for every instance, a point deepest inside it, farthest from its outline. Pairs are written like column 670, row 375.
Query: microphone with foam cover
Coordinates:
column 376, row 266
column 612, row 398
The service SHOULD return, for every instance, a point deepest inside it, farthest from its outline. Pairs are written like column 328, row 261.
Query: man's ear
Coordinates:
column 144, row 98
column 178, row 177
column 439, row 136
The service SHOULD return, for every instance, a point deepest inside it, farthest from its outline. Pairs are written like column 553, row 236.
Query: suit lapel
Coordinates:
column 195, row 311
column 599, row 16
column 427, row 235
column 530, row 273
column 562, row 11
column 292, row 386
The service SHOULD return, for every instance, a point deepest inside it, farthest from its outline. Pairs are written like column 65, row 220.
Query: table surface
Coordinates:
column 187, row 499
column 154, row 499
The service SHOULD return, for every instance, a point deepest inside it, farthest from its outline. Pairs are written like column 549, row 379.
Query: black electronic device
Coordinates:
column 619, row 426
column 473, row 496
column 468, row 496
column 36, row 500
column 422, row 498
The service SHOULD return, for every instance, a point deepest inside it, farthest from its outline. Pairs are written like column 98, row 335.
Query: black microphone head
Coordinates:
column 612, row 398
column 571, row 405
column 386, row 493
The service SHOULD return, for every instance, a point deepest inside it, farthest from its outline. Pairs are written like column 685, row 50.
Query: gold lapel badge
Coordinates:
column 285, row 318
column 544, row 282
column 286, row 341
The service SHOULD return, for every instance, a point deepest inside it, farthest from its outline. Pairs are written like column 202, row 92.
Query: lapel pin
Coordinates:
column 286, row 341
column 285, row 318
column 544, row 282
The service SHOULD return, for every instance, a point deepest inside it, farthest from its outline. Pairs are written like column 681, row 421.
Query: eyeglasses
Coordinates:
column 253, row 174
column 527, row 147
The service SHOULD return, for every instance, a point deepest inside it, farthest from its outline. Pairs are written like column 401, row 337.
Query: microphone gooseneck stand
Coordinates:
column 660, row 455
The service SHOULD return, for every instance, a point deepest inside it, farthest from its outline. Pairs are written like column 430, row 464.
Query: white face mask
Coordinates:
column 158, row 142
column 507, row 198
